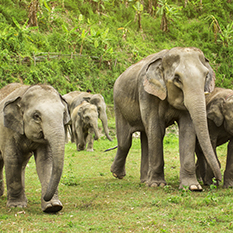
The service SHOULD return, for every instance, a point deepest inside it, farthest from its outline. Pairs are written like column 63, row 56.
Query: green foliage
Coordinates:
column 105, row 33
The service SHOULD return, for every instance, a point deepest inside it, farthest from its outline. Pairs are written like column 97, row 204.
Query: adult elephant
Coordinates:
column 76, row 98
column 149, row 96
column 84, row 124
column 219, row 105
column 70, row 96
column 32, row 121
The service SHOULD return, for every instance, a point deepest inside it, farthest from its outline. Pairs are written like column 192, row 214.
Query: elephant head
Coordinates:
column 182, row 76
column 40, row 114
column 220, row 111
column 88, row 116
column 98, row 101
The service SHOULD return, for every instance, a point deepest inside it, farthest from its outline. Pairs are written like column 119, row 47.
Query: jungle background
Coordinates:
column 81, row 44
column 87, row 44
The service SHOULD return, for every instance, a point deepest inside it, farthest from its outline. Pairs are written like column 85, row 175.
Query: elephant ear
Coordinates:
column 154, row 83
column 13, row 118
column 214, row 112
column 87, row 98
column 210, row 79
column 80, row 113
column 95, row 99
column 67, row 119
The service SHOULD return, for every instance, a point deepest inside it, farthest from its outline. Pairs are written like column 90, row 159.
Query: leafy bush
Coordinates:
column 105, row 34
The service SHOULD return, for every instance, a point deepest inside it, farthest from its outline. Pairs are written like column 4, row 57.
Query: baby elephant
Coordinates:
column 84, row 124
column 219, row 106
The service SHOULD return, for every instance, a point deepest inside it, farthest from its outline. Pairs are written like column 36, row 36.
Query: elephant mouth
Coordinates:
column 39, row 137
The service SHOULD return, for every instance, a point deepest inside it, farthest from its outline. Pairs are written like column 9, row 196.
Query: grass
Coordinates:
column 94, row 201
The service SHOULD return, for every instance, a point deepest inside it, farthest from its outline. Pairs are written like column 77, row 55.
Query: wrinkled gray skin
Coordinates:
column 148, row 97
column 75, row 98
column 84, row 124
column 32, row 121
column 219, row 105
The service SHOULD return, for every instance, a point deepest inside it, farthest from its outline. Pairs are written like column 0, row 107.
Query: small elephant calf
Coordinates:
column 219, row 106
column 84, row 124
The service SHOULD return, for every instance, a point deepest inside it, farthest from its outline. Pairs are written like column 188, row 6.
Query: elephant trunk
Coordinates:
column 56, row 143
column 95, row 129
column 104, row 120
column 197, row 108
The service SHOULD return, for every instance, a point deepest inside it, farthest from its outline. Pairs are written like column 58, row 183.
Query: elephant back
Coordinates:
column 79, row 99
column 9, row 93
column 8, row 89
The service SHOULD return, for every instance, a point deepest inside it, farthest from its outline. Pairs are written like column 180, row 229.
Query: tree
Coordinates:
column 32, row 15
column 138, row 7
column 168, row 13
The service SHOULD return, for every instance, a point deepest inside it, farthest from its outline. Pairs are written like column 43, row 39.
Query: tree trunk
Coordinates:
column 33, row 8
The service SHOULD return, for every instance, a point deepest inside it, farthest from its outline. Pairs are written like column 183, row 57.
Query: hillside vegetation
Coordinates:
column 80, row 44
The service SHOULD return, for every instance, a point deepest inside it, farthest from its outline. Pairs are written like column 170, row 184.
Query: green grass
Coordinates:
column 94, row 201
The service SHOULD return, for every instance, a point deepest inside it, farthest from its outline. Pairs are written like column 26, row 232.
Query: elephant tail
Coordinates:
column 111, row 148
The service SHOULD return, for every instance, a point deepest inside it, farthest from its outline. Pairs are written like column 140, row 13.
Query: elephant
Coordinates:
column 152, row 94
column 32, row 122
column 84, row 124
column 70, row 96
column 219, row 105
column 75, row 98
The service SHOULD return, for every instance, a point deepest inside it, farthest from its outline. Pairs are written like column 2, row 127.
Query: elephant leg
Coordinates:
column 208, row 180
column 44, row 170
column 200, row 164
column 187, row 140
column 71, row 131
column 90, row 141
column 209, row 175
column 228, row 174
column 144, row 157
column 155, row 155
column 68, row 133
column 124, row 140
column 1, row 177
column 15, row 170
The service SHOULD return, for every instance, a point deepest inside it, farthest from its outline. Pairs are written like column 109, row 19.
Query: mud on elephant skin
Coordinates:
column 75, row 98
column 148, row 97
column 32, row 122
column 219, row 105
column 84, row 124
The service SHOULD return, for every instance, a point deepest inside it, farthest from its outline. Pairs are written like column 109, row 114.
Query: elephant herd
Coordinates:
column 85, row 109
column 176, row 85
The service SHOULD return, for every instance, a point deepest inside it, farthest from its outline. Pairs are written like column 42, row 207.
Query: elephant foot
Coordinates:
column 192, row 187
column 90, row 149
column 17, row 203
column 118, row 173
column 157, row 184
column 208, row 180
column 118, row 176
column 52, row 206
column 228, row 184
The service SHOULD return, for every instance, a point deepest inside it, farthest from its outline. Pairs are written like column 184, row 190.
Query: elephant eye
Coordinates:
column 36, row 116
column 177, row 79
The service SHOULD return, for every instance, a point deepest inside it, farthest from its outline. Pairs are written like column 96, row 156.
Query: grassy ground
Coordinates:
column 94, row 201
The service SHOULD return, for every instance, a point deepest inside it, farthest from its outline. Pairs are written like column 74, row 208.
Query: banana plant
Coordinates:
column 138, row 7
column 168, row 12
